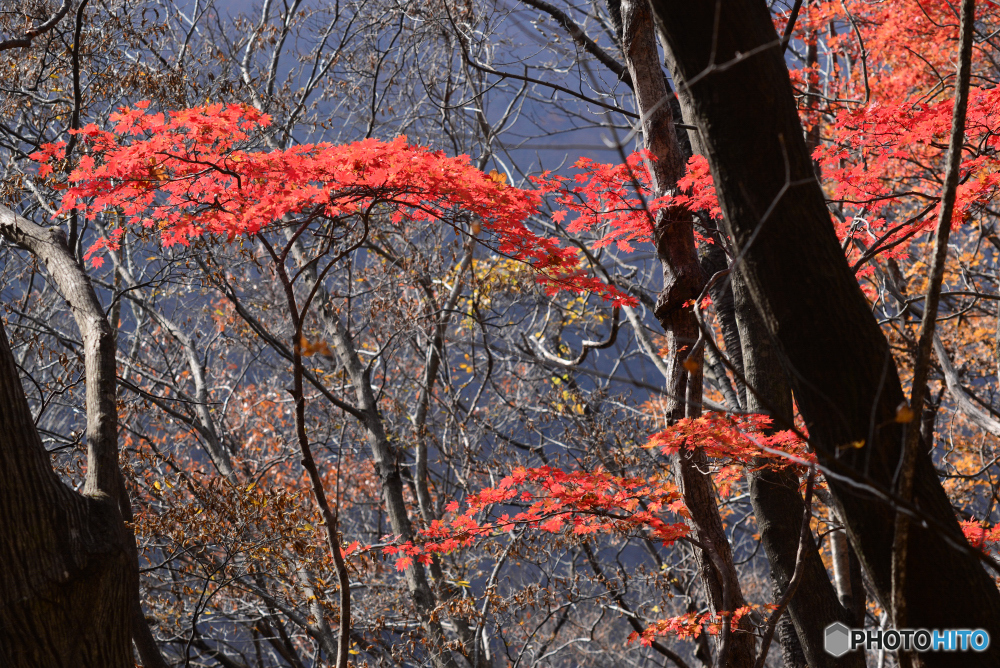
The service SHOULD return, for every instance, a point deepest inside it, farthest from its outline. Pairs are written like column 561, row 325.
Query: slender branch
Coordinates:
column 327, row 510
column 435, row 353
column 581, row 38
column 928, row 321
column 587, row 345
column 786, row 37
column 75, row 118
column 569, row 91
column 966, row 404
column 633, row 619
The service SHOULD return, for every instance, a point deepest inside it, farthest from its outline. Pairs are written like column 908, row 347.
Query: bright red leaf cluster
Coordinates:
column 586, row 502
column 553, row 500
column 888, row 155
column 194, row 172
column 613, row 199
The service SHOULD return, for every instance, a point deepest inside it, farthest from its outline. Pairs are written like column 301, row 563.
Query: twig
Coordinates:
column 24, row 40
column 539, row 347
column 786, row 37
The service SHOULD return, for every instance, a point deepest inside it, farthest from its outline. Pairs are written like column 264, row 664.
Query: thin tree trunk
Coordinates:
column 682, row 281
column 385, row 458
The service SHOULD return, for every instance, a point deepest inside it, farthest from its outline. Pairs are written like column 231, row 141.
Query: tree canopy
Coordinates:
column 475, row 334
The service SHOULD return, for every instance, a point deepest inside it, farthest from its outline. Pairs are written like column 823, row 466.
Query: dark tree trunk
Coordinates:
column 65, row 572
column 836, row 357
column 69, row 577
column 778, row 507
column 775, row 495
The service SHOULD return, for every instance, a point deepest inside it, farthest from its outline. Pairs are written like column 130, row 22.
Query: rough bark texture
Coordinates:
column 714, row 260
column 682, row 282
column 99, row 586
column 836, row 357
column 778, row 507
column 775, row 495
column 65, row 596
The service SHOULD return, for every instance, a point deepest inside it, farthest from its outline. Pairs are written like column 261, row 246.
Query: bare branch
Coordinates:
column 24, row 41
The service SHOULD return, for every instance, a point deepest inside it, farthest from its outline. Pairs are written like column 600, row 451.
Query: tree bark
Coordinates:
column 778, row 507
column 64, row 584
column 836, row 357
column 65, row 579
column 83, row 596
column 682, row 282
column 774, row 495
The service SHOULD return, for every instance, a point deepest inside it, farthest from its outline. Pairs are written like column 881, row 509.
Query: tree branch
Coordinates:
column 793, row 584
column 581, row 38
column 50, row 246
column 24, row 40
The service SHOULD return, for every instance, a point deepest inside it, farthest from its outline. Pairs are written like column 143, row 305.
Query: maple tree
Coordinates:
column 370, row 402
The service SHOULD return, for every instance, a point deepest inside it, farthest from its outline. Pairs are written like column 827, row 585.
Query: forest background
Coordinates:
column 576, row 373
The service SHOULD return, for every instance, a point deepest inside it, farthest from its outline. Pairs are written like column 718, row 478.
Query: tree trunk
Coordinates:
column 778, row 507
column 682, row 282
column 68, row 602
column 775, row 495
column 65, row 575
column 839, row 363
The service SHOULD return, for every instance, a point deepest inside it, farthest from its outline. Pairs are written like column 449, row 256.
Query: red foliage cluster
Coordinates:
column 885, row 155
column 581, row 502
column 585, row 502
column 195, row 172
column 609, row 198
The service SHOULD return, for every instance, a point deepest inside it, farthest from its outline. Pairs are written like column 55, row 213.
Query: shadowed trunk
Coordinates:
column 64, row 584
column 778, row 507
column 836, row 357
column 775, row 495
column 65, row 596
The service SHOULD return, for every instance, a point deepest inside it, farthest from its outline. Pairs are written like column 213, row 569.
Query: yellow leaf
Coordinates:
column 498, row 178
